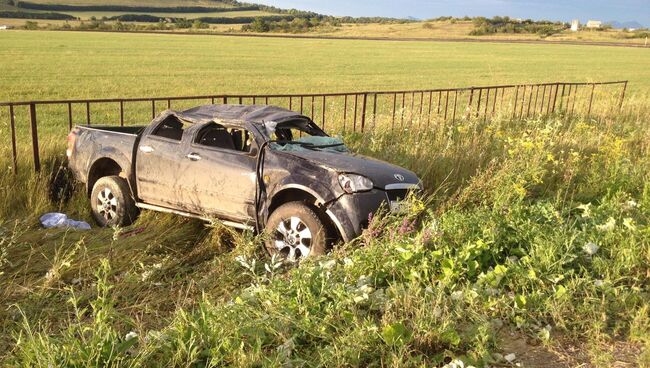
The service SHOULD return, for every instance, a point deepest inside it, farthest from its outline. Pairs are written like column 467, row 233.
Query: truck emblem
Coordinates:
column 399, row 177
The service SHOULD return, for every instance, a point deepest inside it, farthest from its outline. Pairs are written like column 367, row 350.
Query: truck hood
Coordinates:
column 381, row 173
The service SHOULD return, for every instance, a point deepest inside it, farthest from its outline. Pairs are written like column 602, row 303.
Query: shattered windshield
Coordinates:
column 300, row 136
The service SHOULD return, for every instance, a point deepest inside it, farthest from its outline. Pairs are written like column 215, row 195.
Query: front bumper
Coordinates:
column 351, row 213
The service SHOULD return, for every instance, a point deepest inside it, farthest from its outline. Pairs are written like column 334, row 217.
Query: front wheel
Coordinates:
column 295, row 232
column 111, row 202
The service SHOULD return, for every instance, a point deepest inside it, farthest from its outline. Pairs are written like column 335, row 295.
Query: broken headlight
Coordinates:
column 353, row 183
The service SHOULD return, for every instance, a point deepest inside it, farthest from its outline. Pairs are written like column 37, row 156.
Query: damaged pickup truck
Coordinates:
column 257, row 167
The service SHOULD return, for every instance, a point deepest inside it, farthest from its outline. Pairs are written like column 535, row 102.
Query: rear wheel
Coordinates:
column 111, row 202
column 296, row 232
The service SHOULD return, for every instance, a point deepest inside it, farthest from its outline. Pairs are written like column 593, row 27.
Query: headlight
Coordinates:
column 353, row 183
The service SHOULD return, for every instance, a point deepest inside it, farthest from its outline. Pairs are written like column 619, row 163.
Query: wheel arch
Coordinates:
column 103, row 167
column 293, row 193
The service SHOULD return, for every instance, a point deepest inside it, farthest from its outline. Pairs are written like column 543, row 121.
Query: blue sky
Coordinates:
column 565, row 10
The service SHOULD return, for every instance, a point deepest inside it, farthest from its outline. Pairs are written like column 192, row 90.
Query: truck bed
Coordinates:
column 110, row 142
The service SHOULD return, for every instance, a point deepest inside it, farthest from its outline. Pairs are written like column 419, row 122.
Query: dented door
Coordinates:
column 218, row 182
column 158, row 171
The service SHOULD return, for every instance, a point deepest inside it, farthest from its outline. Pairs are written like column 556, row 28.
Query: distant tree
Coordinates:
column 197, row 24
column 260, row 25
column 31, row 25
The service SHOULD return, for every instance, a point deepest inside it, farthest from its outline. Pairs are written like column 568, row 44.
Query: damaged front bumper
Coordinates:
column 351, row 213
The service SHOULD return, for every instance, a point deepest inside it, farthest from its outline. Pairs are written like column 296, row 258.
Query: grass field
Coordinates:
column 533, row 240
column 111, row 65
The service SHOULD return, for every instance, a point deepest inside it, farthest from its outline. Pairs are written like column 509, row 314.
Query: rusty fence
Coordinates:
column 339, row 112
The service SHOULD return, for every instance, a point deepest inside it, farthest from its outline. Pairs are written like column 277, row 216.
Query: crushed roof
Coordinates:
column 248, row 113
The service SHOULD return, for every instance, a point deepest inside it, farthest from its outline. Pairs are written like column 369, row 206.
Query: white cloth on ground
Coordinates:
column 61, row 220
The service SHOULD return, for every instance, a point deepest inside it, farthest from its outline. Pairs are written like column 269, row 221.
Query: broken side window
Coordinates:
column 217, row 136
column 171, row 128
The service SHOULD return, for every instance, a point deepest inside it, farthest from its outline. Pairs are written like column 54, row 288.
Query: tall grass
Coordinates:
column 535, row 229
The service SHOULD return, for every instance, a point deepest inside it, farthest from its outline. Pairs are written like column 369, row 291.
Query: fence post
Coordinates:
column 324, row 104
column 620, row 104
column 514, row 111
column 13, row 139
column 69, row 116
column 363, row 111
column 121, row 113
column 153, row 108
column 32, row 116
column 345, row 111
column 392, row 126
column 557, row 87
column 88, row 112
column 374, row 110
column 591, row 99
column 469, row 103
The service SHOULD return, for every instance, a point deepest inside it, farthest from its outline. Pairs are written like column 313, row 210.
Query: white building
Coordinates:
column 3, row 27
column 594, row 24
column 575, row 25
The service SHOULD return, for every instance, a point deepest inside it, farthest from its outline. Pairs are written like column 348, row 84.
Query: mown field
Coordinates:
column 532, row 239
column 39, row 65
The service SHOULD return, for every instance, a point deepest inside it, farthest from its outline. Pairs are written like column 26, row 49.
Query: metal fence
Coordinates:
column 354, row 111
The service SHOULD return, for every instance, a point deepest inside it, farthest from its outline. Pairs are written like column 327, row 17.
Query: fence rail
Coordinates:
column 355, row 111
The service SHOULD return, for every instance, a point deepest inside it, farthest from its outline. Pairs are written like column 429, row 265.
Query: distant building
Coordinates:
column 594, row 24
column 3, row 27
column 575, row 25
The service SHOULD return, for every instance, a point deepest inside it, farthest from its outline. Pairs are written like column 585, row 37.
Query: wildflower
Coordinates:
column 608, row 226
column 286, row 348
column 599, row 283
column 630, row 204
column 629, row 224
column 456, row 363
column 329, row 264
column 407, row 226
column 586, row 210
column 457, row 295
column 591, row 248
column 131, row 335
column 513, row 259
column 348, row 262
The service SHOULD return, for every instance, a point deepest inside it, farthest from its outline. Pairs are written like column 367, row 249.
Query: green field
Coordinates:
column 41, row 65
column 533, row 238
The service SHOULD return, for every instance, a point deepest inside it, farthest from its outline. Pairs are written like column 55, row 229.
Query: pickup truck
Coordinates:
column 254, row 167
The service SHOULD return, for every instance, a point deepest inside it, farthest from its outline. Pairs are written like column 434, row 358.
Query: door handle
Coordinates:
column 146, row 149
column 194, row 156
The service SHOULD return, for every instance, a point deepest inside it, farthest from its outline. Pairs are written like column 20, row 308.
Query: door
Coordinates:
column 219, row 173
column 158, row 163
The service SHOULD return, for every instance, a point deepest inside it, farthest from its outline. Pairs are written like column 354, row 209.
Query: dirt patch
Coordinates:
column 563, row 353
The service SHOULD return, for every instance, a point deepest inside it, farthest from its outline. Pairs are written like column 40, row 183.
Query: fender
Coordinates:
column 322, row 193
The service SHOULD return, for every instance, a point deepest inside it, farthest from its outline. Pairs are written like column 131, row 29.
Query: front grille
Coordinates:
column 397, row 194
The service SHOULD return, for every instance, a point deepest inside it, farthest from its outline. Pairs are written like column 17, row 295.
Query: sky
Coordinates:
column 562, row 10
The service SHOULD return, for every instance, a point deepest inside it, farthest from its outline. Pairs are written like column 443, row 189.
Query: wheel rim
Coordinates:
column 293, row 238
column 106, row 204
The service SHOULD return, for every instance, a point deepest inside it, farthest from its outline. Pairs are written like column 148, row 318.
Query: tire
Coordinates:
column 111, row 202
column 295, row 231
